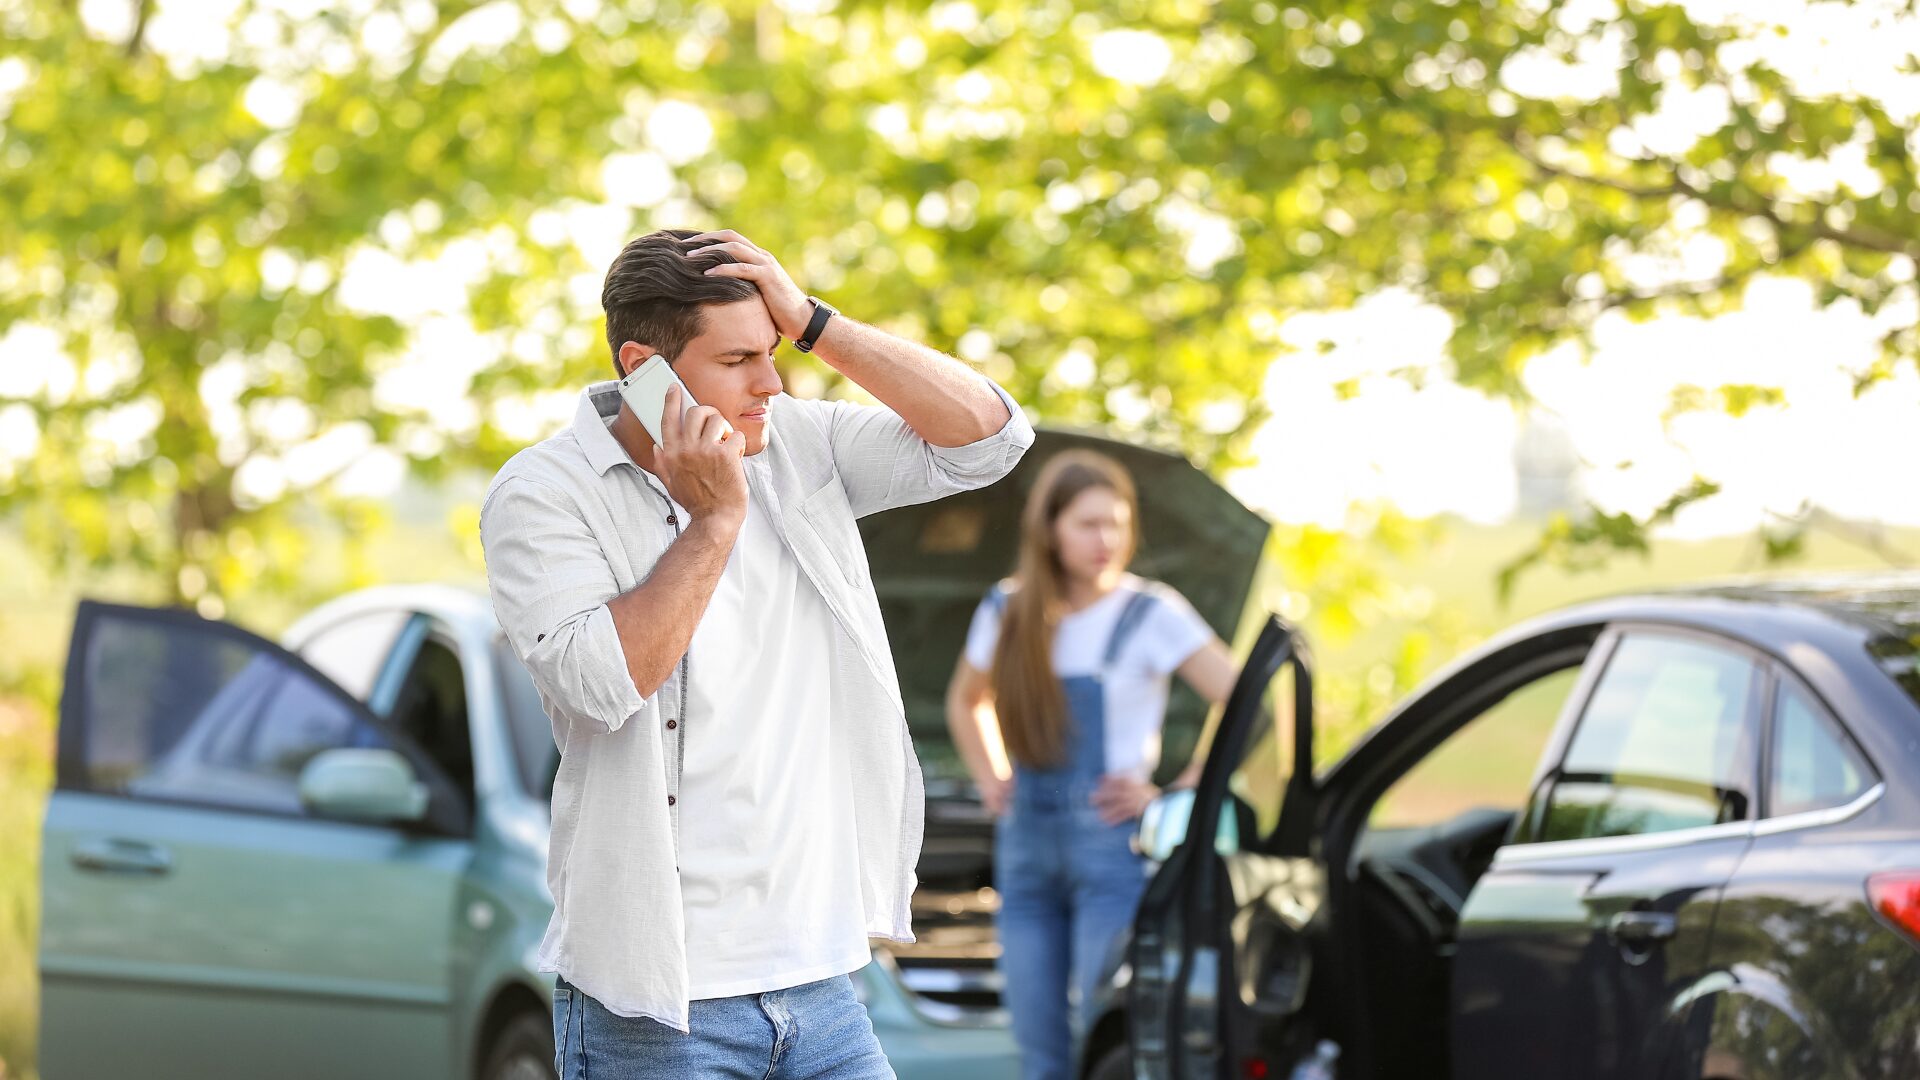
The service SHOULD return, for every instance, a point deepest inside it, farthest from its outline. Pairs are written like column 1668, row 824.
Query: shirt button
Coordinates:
column 673, row 519
column 669, row 800
column 671, row 724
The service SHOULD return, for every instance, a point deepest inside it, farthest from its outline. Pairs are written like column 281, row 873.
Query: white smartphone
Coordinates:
column 645, row 392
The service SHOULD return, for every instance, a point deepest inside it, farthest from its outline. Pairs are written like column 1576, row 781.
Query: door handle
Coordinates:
column 117, row 856
column 1642, row 928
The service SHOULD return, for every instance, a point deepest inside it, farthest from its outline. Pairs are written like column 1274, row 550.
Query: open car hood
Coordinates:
column 932, row 563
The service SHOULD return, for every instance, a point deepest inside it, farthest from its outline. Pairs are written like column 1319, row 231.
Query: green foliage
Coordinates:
column 1584, row 545
column 966, row 172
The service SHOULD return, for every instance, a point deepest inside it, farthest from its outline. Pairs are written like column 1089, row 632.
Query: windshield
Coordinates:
column 536, row 757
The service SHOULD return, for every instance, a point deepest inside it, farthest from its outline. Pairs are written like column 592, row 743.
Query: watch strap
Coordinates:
column 821, row 313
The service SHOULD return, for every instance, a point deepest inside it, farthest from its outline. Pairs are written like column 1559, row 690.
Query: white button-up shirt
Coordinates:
column 571, row 523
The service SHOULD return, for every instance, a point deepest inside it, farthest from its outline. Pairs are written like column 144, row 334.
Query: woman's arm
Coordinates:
column 1211, row 673
column 976, row 734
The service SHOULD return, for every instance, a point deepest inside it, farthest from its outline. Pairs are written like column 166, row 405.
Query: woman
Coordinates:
column 1065, row 679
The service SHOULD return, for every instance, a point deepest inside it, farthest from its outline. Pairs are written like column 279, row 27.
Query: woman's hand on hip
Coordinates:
column 1122, row 797
column 996, row 794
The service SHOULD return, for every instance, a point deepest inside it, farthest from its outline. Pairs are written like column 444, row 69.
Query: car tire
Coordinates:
column 1115, row 1064
column 523, row 1051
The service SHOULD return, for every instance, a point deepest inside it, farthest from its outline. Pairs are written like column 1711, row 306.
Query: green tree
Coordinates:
column 1110, row 206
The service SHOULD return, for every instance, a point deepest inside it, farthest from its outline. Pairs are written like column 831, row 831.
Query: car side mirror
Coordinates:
column 371, row 785
column 1164, row 824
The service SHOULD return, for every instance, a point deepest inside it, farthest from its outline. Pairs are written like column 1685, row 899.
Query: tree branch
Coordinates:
column 1854, row 238
column 142, row 11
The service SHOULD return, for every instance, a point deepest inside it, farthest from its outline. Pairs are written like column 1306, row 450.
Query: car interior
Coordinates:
column 1426, row 841
column 432, row 709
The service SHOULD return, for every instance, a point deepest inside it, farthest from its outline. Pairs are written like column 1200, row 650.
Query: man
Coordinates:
column 738, row 807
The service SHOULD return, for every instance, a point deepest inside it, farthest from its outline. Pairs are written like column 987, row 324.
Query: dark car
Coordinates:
column 1663, row 836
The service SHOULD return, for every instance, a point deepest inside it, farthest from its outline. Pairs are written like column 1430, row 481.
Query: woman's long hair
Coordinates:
column 1027, row 698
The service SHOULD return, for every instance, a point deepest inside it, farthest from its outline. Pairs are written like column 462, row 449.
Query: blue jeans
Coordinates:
column 817, row 1031
column 1069, row 886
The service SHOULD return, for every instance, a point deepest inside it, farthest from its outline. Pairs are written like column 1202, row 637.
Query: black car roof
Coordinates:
column 1872, row 604
column 1885, row 602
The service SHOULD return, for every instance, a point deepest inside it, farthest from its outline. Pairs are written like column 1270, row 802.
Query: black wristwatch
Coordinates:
column 821, row 313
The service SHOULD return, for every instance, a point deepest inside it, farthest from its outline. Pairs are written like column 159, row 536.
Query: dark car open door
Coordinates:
column 1220, row 956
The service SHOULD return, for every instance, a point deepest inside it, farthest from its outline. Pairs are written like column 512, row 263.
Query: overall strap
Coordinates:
column 1139, row 605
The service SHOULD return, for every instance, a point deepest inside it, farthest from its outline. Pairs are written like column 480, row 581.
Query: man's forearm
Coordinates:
column 943, row 400
column 656, row 619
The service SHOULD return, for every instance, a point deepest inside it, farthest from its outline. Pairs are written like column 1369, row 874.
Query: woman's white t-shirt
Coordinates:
column 1137, row 682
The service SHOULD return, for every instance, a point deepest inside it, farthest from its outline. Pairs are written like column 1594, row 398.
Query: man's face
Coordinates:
column 729, row 367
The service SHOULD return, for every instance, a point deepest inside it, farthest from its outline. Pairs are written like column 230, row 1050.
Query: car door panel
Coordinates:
column 1577, row 950
column 1221, row 958
column 194, row 924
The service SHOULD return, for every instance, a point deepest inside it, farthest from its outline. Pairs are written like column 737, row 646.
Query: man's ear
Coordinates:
column 632, row 355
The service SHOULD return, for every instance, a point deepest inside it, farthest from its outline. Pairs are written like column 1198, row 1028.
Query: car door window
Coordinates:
column 431, row 709
column 1815, row 766
column 352, row 651
column 179, row 710
column 1665, row 742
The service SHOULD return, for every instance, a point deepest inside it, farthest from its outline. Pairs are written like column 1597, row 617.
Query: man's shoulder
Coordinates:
column 557, row 463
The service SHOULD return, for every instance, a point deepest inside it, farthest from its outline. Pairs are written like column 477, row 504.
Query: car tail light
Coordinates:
column 1255, row 1068
column 1896, row 896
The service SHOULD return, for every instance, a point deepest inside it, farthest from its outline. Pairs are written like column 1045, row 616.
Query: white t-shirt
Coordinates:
column 1136, row 684
column 769, row 867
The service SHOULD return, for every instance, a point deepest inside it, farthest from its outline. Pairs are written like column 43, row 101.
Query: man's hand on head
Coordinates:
column 785, row 301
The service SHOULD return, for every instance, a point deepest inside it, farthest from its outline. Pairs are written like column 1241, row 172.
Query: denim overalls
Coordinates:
column 1068, row 882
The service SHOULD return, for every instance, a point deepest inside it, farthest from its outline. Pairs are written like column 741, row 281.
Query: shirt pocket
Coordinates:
column 830, row 516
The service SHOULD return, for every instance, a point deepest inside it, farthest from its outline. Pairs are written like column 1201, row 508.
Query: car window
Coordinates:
column 178, row 711
column 536, row 755
column 351, row 651
column 1815, row 766
column 1666, row 742
column 1257, row 786
column 431, row 709
column 1487, row 764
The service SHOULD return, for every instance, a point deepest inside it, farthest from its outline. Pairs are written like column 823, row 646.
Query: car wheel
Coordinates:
column 1115, row 1064
column 524, row 1050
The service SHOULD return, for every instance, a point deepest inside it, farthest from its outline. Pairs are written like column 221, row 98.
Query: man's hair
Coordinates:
column 654, row 292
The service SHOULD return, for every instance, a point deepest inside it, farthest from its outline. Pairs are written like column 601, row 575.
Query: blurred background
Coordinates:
column 1488, row 306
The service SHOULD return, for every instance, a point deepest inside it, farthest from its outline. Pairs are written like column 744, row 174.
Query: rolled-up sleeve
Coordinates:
column 550, row 583
column 884, row 463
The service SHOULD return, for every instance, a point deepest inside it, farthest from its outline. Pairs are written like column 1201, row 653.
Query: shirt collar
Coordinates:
column 599, row 403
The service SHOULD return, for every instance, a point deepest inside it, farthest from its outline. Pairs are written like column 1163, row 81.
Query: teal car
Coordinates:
column 327, row 857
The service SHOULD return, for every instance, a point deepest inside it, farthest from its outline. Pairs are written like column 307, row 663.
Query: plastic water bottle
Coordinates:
column 1320, row 1065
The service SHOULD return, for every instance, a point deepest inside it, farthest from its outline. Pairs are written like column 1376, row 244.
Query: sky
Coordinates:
column 1438, row 448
